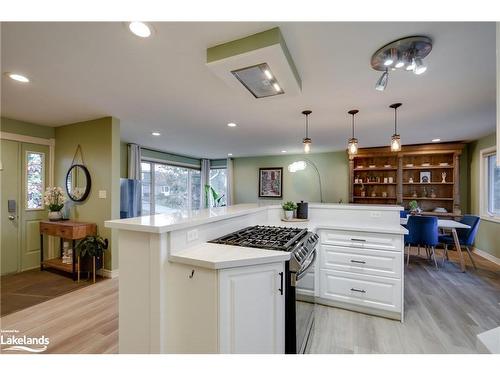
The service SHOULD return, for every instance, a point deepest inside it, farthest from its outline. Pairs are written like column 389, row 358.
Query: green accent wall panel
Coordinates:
column 25, row 128
column 302, row 185
column 488, row 238
column 100, row 143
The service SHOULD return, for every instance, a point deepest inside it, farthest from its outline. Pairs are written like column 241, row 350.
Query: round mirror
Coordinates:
column 78, row 183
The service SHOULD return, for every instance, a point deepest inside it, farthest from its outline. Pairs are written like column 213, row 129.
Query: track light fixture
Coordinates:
column 405, row 54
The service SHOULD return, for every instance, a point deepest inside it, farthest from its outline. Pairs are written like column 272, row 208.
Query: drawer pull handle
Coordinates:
column 358, row 290
column 358, row 240
column 357, row 261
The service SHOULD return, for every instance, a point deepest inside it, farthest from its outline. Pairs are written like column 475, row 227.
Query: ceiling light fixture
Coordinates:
column 140, row 29
column 229, row 154
column 436, row 140
column 396, row 138
column 156, row 134
column 352, row 144
column 405, row 53
column 284, row 151
column 268, row 74
column 382, row 81
column 18, row 77
column 231, row 125
column 307, row 141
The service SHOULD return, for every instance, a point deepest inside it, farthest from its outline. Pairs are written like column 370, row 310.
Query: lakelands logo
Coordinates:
column 10, row 340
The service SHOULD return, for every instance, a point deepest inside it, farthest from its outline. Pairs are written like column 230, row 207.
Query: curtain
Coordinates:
column 134, row 161
column 205, row 180
column 230, row 184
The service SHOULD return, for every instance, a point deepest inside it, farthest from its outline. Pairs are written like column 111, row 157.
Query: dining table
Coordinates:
column 452, row 226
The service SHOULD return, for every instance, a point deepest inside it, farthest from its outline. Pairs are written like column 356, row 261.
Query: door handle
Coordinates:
column 12, row 217
column 281, row 283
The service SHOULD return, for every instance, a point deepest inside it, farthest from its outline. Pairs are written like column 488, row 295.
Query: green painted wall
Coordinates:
column 100, row 143
column 123, row 160
column 25, row 128
column 488, row 238
column 302, row 185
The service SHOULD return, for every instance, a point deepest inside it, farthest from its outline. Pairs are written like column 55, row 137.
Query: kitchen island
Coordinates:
column 180, row 294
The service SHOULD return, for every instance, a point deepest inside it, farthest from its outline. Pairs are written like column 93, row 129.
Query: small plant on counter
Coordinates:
column 289, row 207
column 413, row 206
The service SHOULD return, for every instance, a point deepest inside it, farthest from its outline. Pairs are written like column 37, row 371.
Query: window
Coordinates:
column 490, row 181
column 218, row 181
column 167, row 188
column 35, row 182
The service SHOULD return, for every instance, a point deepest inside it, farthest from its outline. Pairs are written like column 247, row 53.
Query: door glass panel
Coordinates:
column 218, row 181
column 171, row 188
column 146, row 188
column 35, row 182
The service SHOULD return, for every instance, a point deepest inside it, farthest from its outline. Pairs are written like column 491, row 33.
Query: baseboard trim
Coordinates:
column 486, row 255
column 110, row 274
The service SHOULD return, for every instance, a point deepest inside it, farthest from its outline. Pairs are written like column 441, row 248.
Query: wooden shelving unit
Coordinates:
column 406, row 165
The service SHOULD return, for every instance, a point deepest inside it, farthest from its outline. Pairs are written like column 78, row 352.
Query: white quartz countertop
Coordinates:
column 217, row 256
column 184, row 218
column 314, row 226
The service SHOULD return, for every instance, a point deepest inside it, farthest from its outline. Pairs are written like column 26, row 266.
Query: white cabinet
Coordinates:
column 362, row 271
column 251, row 309
column 234, row 310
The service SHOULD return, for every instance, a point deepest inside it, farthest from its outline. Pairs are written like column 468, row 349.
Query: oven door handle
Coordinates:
column 303, row 271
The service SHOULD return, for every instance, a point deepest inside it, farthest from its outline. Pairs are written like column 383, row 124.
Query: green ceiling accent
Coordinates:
column 251, row 43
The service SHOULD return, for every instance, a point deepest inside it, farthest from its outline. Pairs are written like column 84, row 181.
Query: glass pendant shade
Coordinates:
column 352, row 146
column 307, row 145
column 307, row 141
column 395, row 143
column 382, row 82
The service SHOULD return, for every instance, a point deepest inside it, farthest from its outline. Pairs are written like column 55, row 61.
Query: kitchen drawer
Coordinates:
column 367, row 240
column 368, row 291
column 361, row 260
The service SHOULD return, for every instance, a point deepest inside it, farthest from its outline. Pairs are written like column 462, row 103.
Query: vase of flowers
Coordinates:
column 54, row 199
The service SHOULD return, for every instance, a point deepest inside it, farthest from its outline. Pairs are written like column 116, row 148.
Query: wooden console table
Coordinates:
column 65, row 230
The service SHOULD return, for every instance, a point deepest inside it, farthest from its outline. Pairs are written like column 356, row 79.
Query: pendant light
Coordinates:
column 382, row 81
column 352, row 144
column 307, row 141
column 395, row 139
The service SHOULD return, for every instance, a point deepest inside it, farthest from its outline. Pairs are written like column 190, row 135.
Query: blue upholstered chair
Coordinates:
column 422, row 231
column 404, row 214
column 465, row 236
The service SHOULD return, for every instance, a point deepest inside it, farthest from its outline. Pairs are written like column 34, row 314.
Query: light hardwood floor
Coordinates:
column 84, row 321
column 445, row 309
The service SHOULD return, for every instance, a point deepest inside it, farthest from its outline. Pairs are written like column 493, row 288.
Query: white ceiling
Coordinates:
column 82, row 71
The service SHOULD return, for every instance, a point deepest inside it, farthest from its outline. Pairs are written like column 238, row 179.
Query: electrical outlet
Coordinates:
column 192, row 235
column 102, row 194
column 375, row 214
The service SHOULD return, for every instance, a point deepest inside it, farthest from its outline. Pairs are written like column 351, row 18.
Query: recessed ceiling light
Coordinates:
column 284, row 151
column 140, row 29
column 268, row 74
column 436, row 140
column 156, row 134
column 231, row 125
column 229, row 154
column 277, row 87
column 18, row 77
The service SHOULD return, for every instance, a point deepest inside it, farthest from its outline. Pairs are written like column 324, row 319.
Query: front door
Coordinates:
column 10, row 179
column 25, row 176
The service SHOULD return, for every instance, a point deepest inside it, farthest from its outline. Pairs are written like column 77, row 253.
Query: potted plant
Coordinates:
column 413, row 206
column 54, row 199
column 87, row 249
column 289, row 207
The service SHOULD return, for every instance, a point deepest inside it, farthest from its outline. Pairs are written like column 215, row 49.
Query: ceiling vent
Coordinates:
column 260, row 64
